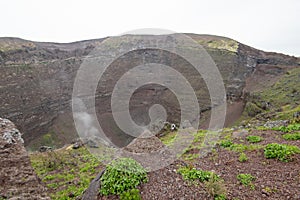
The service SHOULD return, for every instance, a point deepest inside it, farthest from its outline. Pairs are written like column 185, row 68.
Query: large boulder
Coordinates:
column 17, row 177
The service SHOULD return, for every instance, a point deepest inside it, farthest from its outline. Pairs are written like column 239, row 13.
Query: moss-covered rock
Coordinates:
column 252, row 109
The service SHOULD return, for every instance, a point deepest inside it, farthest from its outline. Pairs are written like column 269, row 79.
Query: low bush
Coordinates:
column 243, row 157
column 245, row 179
column 281, row 152
column 289, row 128
column 213, row 183
column 216, row 188
column 253, row 138
column 122, row 175
column 292, row 136
column 226, row 143
column 133, row 194
column 193, row 174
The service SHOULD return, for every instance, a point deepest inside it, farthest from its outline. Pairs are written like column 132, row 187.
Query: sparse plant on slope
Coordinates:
column 216, row 188
column 245, row 179
column 122, row 175
column 133, row 194
column 239, row 147
column 292, row 136
column 289, row 128
column 226, row 143
column 282, row 152
column 220, row 197
column 66, row 172
column 243, row 157
column 193, row 174
column 213, row 183
column 253, row 138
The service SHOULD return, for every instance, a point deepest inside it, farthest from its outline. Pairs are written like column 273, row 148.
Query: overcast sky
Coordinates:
column 271, row 25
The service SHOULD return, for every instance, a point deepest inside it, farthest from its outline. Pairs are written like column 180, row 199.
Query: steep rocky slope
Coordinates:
column 17, row 178
column 37, row 81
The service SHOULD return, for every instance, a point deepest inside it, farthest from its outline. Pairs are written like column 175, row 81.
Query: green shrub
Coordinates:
column 245, row 179
column 49, row 177
column 281, row 152
column 238, row 147
column 60, row 171
column 220, row 197
column 262, row 128
column 294, row 127
column 214, row 185
column 194, row 174
column 243, row 147
column 122, row 175
column 243, row 157
column 289, row 128
column 253, row 139
column 133, row 194
column 292, row 136
column 226, row 143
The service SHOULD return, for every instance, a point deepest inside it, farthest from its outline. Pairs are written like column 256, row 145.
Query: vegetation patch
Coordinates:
column 253, row 139
column 169, row 138
column 14, row 44
column 122, row 175
column 192, row 152
column 251, row 109
column 289, row 128
column 287, row 113
column 278, row 102
column 213, row 183
column 281, row 152
column 243, row 157
column 292, row 136
column 239, row 147
column 246, row 179
column 222, row 44
column 193, row 174
column 226, row 143
column 133, row 194
column 283, row 92
column 243, row 147
column 59, row 171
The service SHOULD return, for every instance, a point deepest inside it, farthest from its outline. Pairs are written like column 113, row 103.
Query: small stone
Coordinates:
column 239, row 134
column 265, row 192
column 76, row 145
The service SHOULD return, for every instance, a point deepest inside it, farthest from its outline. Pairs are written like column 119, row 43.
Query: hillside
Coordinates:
column 258, row 158
column 37, row 78
column 255, row 156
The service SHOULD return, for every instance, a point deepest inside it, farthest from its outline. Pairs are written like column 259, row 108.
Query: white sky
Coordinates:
column 271, row 25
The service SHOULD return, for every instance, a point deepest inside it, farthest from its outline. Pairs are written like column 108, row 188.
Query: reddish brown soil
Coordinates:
column 282, row 178
column 274, row 179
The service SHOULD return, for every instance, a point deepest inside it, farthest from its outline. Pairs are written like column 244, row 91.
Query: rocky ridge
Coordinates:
column 17, row 177
column 37, row 78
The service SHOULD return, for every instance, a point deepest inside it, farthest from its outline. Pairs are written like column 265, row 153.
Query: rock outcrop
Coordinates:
column 17, row 177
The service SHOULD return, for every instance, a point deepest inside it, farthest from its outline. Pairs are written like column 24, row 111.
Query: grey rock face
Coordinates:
column 277, row 123
column 12, row 136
